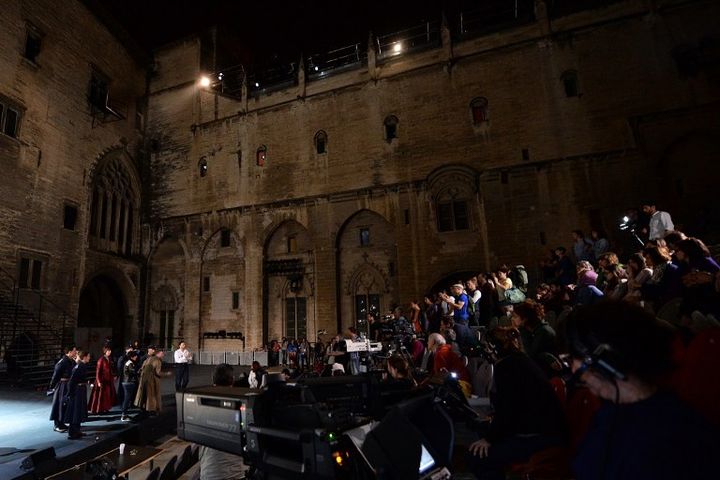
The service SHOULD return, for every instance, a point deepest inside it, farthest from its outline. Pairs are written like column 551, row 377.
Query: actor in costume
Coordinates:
column 103, row 395
column 148, row 396
column 58, row 386
column 76, row 399
column 129, row 383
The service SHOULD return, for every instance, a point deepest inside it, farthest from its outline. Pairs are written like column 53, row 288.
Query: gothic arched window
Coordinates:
column 321, row 139
column 391, row 124
column 113, row 209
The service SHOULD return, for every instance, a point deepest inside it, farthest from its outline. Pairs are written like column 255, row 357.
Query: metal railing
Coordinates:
column 320, row 65
column 32, row 330
column 495, row 17
column 420, row 37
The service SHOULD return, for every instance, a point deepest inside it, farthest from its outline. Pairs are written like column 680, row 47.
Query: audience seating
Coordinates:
column 555, row 462
column 185, row 462
column 154, row 475
column 168, row 472
column 697, row 378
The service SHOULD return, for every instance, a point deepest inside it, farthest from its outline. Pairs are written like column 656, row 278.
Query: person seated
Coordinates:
column 586, row 293
column 445, row 360
column 527, row 415
column 621, row 352
column 399, row 375
column 214, row 464
column 664, row 284
column 537, row 336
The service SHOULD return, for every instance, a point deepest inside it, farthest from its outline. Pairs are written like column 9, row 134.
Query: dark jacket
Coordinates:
column 77, row 408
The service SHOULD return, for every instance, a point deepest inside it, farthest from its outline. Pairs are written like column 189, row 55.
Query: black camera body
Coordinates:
column 320, row 428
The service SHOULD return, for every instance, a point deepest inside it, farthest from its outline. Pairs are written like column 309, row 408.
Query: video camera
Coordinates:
column 324, row 428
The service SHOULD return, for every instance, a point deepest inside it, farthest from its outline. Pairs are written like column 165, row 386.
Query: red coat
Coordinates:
column 103, row 398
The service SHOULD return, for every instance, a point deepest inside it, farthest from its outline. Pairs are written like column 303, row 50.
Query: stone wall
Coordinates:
column 52, row 161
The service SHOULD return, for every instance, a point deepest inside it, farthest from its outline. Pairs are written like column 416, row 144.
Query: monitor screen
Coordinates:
column 426, row 460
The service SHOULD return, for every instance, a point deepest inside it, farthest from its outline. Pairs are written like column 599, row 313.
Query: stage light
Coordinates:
column 205, row 81
column 397, row 48
column 257, row 85
column 220, row 76
column 317, row 68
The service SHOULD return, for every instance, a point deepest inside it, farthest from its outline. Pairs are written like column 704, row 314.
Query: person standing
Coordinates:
column 119, row 369
column 76, row 397
column 183, row 357
column 660, row 222
column 458, row 304
column 103, row 395
column 58, row 385
column 148, row 396
column 129, row 385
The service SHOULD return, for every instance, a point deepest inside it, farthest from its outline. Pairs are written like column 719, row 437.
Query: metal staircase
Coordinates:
column 33, row 331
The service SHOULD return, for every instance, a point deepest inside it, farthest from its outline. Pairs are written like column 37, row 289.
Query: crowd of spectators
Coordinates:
column 599, row 366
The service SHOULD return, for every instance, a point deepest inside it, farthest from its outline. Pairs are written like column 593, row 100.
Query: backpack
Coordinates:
column 519, row 277
column 514, row 295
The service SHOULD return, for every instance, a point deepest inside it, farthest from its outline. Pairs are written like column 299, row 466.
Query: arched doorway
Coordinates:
column 102, row 312
column 288, row 283
column 366, row 262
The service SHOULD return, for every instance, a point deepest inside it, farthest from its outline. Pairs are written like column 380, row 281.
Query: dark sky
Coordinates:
column 285, row 28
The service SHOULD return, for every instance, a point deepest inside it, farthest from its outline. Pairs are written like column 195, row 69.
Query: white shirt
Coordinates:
column 660, row 223
column 183, row 356
column 476, row 295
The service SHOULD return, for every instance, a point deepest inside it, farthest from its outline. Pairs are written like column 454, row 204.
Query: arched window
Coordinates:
column 261, row 155
column 321, row 142
column 479, row 110
column 203, row 166
column 113, row 209
column 452, row 212
column 391, row 124
column 569, row 80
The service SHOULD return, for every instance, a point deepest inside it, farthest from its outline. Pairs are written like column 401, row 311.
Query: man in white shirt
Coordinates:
column 660, row 222
column 183, row 358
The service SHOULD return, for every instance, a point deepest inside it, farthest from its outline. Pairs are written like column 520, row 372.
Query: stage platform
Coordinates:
column 25, row 429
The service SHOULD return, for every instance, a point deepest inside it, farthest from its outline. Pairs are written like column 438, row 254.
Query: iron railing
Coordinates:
column 420, row 37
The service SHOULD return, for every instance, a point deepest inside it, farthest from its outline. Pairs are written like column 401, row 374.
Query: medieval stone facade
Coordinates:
column 71, row 204
column 283, row 212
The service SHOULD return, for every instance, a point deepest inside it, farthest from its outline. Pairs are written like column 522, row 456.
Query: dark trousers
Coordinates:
column 182, row 376
column 129, row 390
column 503, row 453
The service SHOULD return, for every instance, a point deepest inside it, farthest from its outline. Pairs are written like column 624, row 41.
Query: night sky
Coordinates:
column 283, row 28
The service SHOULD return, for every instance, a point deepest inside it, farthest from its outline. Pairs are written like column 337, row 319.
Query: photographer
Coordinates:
column 621, row 353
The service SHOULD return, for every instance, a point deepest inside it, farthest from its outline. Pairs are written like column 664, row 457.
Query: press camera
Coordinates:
column 325, row 428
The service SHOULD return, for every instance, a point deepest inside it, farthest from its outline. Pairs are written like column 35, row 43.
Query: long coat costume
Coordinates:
column 76, row 409
column 59, row 384
column 103, row 398
column 148, row 395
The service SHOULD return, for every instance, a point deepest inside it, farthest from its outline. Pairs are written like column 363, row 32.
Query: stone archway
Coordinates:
column 103, row 311
column 288, row 283
column 366, row 263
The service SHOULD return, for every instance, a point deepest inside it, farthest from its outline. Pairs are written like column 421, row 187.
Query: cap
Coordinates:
column 338, row 366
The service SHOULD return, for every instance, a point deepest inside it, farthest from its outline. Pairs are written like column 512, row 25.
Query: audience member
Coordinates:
column 621, row 352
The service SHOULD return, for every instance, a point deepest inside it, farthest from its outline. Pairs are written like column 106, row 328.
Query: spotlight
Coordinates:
column 317, row 68
column 257, row 85
column 205, row 81
column 397, row 48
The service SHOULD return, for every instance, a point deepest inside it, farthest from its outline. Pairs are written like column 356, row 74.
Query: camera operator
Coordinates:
column 621, row 352
column 527, row 415
column 214, row 464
